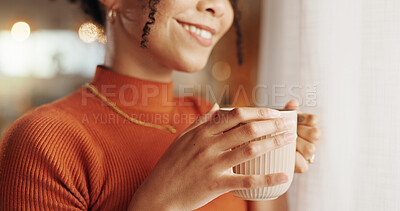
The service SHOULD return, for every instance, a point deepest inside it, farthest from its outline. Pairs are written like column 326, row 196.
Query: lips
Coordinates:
column 203, row 34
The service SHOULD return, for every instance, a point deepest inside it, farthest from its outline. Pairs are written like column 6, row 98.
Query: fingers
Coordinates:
column 307, row 119
column 308, row 133
column 305, row 148
column 238, row 181
column 252, row 130
column 301, row 165
column 256, row 148
column 292, row 105
column 225, row 120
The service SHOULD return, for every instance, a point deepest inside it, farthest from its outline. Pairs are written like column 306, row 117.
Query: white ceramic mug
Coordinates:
column 275, row 161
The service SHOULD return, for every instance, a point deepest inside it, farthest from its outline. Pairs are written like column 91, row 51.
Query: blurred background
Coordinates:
column 339, row 59
column 49, row 49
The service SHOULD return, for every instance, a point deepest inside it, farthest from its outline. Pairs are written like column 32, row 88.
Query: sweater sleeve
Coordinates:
column 47, row 162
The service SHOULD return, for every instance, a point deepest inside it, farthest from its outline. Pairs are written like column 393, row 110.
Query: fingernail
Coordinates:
column 283, row 179
column 215, row 107
column 289, row 137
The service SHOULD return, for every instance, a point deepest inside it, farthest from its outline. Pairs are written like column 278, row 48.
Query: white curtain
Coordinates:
column 341, row 59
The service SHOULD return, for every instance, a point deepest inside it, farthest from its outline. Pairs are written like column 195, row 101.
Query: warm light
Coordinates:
column 101, row 37
column 88, row 32
column 20, row 31
column 221, row 71
column 46, row 53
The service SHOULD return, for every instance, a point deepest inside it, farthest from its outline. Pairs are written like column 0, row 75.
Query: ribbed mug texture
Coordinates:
column 275, row 161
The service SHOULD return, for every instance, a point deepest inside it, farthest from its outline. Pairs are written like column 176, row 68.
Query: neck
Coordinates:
column 133, row 93
column 126, row 57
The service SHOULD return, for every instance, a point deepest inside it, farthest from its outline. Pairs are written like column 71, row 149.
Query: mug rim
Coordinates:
column 231, row 108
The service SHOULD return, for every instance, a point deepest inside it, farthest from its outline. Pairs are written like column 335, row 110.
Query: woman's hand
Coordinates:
column 197, row 167
column 308, row 136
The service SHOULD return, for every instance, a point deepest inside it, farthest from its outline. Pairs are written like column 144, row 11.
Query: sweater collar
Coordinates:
column 134, row 93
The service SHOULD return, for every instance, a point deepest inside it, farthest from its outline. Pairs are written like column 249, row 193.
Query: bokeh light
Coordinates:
column 221, row 71
column 20, row 31
column 101, row 37
column 88, row 32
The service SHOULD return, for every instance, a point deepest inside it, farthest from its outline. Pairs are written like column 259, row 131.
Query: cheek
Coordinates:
column 133, row 18
column 227, row 21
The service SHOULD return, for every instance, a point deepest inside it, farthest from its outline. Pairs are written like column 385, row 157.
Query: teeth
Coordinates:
column 201, row 32
column 198, row 31
column 206, row 34
column 186, row 27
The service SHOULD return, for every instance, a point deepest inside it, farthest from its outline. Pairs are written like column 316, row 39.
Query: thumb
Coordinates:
column 292, row 105
column 208, row 116
column 202, row 119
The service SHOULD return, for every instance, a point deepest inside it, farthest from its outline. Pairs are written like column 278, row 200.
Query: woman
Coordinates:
column 124, row 142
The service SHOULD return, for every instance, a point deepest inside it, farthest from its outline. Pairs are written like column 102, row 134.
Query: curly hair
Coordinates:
column 97, row 13
column 151, row 21
column 94, row 9
column 239, row 38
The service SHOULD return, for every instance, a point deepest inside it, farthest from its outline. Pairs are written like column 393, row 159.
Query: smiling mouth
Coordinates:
column 203, row 34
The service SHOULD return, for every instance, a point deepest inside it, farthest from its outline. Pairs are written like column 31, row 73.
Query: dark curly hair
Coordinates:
column 97, row 12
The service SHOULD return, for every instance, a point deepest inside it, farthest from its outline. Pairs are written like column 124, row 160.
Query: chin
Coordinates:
column 190, row 65
column 186, row 62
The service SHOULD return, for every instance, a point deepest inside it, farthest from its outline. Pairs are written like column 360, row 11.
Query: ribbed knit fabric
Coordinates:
column 78, row 154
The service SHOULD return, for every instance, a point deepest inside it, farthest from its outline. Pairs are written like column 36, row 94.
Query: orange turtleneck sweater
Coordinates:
column 79, row 154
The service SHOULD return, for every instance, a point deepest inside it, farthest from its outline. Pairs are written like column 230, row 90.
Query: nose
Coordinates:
column 214, row 7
